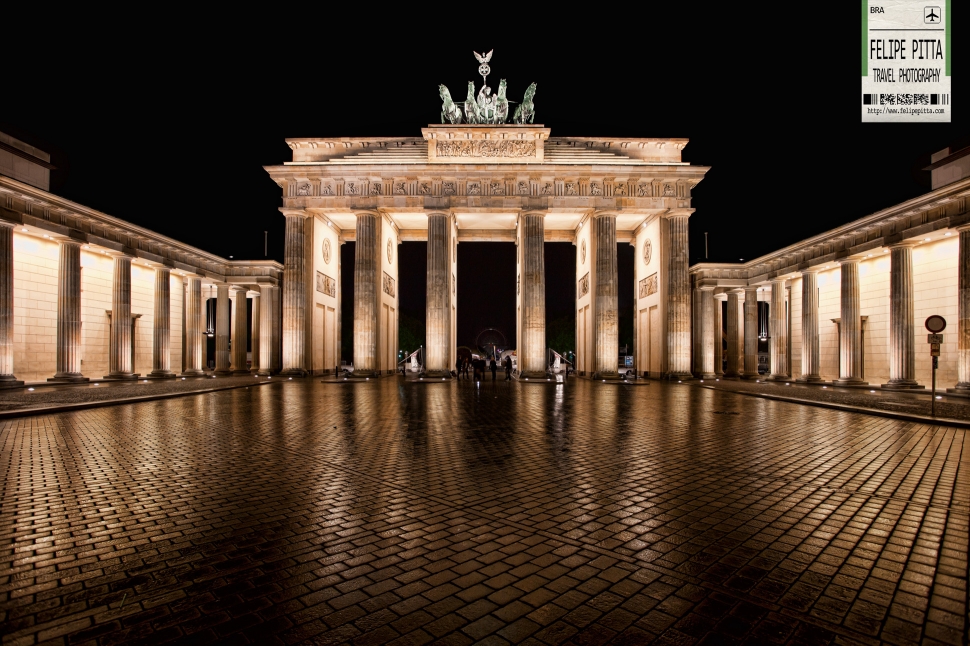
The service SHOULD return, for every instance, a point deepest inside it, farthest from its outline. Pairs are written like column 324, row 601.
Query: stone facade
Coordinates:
column 889, row 271
column 58, row 246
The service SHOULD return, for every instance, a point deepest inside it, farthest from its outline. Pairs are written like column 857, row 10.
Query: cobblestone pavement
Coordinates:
column 383, row 512
column 897, row 401
column 98, row 391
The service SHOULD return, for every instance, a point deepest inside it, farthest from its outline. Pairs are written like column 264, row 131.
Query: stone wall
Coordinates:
column 935, row 292
column 35, row 307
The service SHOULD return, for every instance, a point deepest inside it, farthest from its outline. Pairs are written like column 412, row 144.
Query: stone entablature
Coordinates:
column 944, row 208
column 39, row 210
column 507, row 144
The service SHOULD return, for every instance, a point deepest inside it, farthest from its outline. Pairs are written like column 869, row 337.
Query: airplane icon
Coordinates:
column 930, row 15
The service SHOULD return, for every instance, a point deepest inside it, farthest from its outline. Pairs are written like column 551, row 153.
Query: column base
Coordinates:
column 810, row 379
column 120, row 376
column 731, row 376
column 961, row 390
column 264, row 372
column 678, row 376
column 293, row 372
column 850, row 382
column 69, row 378
column 9, row 381
column 778, row 378
column 901, row 384
column 748, row 377
column 160, row 374
column 707, row 375
column 237, row 373
column 604, row 376
column 193, row 373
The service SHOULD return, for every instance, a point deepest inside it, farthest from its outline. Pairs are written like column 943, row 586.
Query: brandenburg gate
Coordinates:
column 485, row 182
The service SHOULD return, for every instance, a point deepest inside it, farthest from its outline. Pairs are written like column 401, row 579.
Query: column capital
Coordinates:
column 963, row 227
column 294, row 213
column 721, row 297
column 541, row 213
column 678, row 213
column 811, row 270
column 848, row 261
column 8, row 224
column 603, row 214
column 237, row 288
column 903, row 244
column 705, row 288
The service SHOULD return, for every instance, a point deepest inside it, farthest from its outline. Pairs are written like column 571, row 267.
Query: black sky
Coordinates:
column 166, row 122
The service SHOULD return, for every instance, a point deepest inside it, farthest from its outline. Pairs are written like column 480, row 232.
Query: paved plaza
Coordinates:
column 386, row 512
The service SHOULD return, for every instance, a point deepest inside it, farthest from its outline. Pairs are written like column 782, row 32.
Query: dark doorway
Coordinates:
column 486, row 290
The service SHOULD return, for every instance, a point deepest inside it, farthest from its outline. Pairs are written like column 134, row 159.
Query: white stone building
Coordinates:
column 884, row 273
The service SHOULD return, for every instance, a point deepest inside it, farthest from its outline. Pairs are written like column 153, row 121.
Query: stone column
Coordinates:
column 778, row 332
column 7, row 378
column 719, row 334
column 707, row 333
column 69, row 313
column 294, row 295
column 678, row 296
column 850, row 327
column 733, row 326
column 257, row 332
column 162, row 327
column 367, row 268
column 240, row 332
column 277, row 345
column 119, row 352
column 223, row 325
column 438, row 324
column 810, row 348
column 532, row 360
column 751, row 333
column 697, row 332
column 963, row 311
column 902, row 333
column 606, row 330
column 194, row 328
column 266, row 330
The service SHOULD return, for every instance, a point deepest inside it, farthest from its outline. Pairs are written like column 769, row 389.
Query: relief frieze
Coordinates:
column 485, row 148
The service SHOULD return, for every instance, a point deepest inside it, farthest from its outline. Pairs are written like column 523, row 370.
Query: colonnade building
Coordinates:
column 504, row 183
column 69, row 274
column 848, row 306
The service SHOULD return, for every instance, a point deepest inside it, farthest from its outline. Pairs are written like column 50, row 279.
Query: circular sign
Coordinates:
column 582, row 253
column 647, row 251
column 390, row 250
column 326, row 251
column 935, row 324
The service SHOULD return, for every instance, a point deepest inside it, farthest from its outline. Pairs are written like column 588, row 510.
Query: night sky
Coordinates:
column 168, row 125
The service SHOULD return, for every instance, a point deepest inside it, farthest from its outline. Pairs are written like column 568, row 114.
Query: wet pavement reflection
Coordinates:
column 457, row 512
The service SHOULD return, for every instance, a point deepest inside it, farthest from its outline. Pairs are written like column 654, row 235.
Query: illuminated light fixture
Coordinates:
column 938, row 396
column 788, row 384
column 702, row 381
column 96, row 383
column 46, row 236
column 872, row 391
column 886, row 251
column 824, row 386
column 24, row 229
column 947, row 234
column 869, row 256
column 680, row 382
column 365, row 378
column 270, row 377
column 30, row 389
column 291, row 378
column 926, row 239
column 183, row 379
column 717, row 380
column 757, row 381
column 86, row 247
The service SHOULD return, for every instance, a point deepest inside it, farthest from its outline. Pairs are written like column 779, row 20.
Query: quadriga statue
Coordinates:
column 501, row 104
column 526, row 112
column 449, row 110
column 472, row 114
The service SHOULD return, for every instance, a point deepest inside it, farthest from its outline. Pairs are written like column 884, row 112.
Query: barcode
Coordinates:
column 905, row 99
